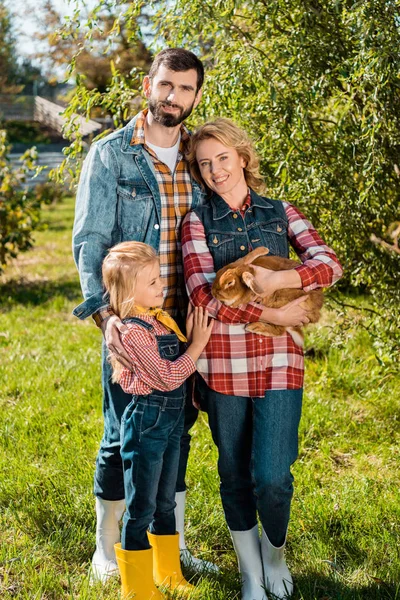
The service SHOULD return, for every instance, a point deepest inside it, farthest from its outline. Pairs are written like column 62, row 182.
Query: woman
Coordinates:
column 251, row 385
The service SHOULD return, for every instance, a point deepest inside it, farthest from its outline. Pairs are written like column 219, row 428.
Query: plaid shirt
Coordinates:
column 176, row 200
column 237, row 362
column 151, row 372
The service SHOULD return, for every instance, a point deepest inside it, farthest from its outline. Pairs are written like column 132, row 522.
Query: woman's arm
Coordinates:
column 200, row 273
column 320, row 267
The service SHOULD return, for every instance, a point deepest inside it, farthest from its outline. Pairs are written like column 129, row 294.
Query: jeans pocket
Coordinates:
column 151, row 418
column 129, row 409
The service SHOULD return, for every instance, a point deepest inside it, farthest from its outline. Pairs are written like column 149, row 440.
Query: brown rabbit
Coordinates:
column 234, row 285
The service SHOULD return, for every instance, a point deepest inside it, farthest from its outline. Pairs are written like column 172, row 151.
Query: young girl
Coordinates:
column 152, row 424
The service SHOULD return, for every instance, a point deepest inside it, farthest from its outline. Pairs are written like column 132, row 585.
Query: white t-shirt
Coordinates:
column 167, row 155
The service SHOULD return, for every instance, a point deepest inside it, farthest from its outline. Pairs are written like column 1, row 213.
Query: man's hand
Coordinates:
column 112, row 328
column 293, row 314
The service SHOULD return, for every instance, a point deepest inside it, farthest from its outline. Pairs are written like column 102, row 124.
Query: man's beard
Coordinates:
column 166, row 119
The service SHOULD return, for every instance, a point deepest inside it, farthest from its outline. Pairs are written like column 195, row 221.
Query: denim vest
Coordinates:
column 230, row 235
column 168, row 348
column 118, row 200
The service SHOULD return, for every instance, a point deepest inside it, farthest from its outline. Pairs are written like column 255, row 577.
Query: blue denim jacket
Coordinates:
column 231, row 236
column 118, row 200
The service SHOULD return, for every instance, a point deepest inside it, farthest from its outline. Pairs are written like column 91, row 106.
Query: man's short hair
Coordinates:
column 178, row 59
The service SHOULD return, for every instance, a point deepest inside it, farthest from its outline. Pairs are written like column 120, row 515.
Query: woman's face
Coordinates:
column 220, row 166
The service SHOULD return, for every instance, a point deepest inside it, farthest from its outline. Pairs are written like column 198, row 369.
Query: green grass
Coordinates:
column 345, row 529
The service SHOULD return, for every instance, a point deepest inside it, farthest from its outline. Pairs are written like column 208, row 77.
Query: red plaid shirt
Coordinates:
column 151, row 372
column 237, row 362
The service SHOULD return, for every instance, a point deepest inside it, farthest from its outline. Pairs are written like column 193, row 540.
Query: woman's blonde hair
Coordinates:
column 120, row 269
column 232, row 136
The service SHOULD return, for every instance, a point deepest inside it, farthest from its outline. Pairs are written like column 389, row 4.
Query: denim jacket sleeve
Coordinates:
column 95, row 220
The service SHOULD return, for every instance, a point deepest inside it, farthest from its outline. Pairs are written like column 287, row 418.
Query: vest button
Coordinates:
column 279, row 228
column 243, row 247
column 234, row 216
column 240, row 229
column 156, row 226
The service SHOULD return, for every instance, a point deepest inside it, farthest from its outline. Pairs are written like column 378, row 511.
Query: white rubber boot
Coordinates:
column 187, row 558
column 109, row 514
column 278, row 579
column 248, row 552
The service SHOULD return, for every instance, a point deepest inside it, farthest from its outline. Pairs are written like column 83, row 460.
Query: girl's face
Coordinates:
column 220, row 166
column 149, row 287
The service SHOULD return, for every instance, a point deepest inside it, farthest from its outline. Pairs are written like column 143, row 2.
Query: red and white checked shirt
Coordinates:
column 151, row 372
column 237, row 362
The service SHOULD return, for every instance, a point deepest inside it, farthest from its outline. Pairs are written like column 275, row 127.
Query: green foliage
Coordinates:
column 19, row 205
column 316, row 84
column 24, row 132
column 317, row 87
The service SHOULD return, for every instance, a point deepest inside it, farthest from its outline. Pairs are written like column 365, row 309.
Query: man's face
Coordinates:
column 171, row 95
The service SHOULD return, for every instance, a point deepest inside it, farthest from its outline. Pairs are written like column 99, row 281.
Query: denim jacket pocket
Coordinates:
column 222, row 248
column 275, row 236
column 135, row 204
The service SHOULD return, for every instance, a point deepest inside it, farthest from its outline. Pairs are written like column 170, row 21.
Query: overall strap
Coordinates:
column 138, row 321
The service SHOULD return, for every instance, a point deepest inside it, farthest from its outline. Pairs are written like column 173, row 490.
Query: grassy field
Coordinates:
column 345, row 528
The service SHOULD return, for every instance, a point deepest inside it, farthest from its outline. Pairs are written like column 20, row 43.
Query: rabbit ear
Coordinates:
column 228, row 279
column 251, row 256
column 249, row 280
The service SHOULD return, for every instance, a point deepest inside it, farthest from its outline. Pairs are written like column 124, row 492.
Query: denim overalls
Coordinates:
column 151, row 430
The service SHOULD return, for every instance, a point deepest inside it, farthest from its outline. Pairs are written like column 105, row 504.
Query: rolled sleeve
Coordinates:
column 321, row 267
column 95, row 219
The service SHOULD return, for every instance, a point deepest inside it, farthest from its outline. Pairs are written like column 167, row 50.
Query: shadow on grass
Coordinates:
column 315, row 586
column 36, row 293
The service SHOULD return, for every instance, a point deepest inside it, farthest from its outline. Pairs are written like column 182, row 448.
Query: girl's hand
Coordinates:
column 201, row 332
column 293, row 314
column 201, row 327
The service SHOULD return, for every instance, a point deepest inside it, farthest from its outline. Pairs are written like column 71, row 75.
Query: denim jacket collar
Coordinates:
column 127, row 137
column 221, row 208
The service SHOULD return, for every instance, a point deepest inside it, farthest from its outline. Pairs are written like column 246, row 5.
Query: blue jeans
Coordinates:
column 151, row 432
column 108, row 479
column 257, row 440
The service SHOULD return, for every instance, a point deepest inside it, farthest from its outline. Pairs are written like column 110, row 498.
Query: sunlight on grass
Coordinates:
column 345, row 527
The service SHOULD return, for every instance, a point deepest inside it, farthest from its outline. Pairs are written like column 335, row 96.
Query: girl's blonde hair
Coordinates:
column 232, row 136
column 120, row 269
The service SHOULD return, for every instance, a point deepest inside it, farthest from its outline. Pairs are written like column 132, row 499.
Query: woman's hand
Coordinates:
column 189, row 322
column 293, row 314
column 267, row 282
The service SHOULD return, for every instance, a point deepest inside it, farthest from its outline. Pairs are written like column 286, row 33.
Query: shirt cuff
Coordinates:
column 102, row 315
column 307, row 277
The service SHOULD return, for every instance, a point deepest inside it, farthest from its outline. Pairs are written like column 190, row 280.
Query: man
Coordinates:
column 135, row 185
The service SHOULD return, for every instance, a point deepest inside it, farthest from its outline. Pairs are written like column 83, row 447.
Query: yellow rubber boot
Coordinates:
column 136, row 570
column 167, row 565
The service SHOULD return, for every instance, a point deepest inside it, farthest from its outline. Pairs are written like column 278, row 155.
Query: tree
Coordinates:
column 111, row 43
column 316, row 84
column 8, row 59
